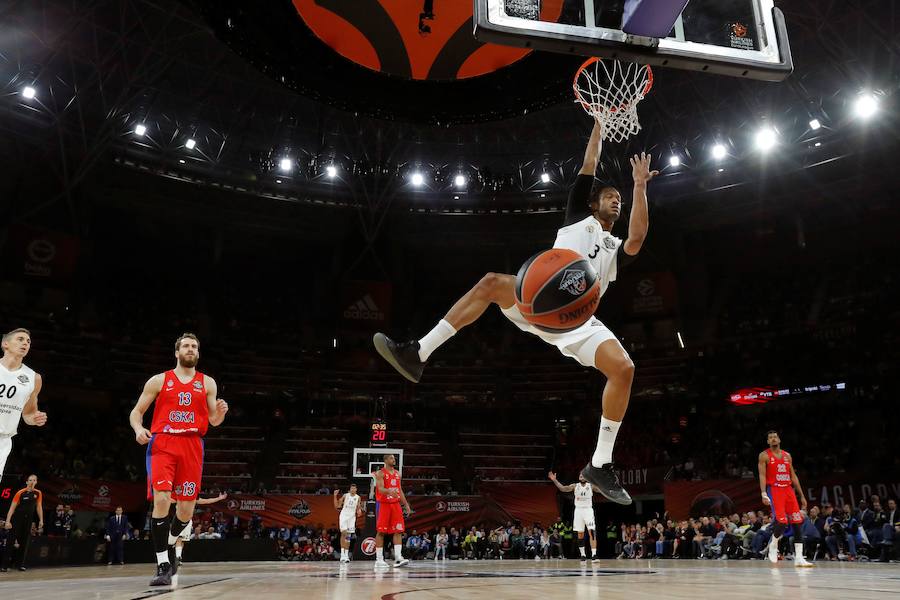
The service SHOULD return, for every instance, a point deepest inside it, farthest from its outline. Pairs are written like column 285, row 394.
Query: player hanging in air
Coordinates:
column 388, row 516
column 592, row 210
column 584, row 512
column 19, row 389
column 776, row 476
column 350, row 509
column 185, row 405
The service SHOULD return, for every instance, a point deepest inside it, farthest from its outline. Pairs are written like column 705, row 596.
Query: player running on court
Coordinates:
column 185, row 405
column 19, row 389
column 584, row 512
column 388, row 516
column 776, row 476
column 592, row 210
column 350, row 509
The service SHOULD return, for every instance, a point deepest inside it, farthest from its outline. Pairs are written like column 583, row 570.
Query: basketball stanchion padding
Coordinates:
column 557, row 290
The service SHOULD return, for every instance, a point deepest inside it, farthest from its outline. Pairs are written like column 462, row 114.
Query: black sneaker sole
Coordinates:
column 627, row 501
column 381, row 346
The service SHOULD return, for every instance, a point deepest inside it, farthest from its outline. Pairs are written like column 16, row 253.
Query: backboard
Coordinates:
column 368, row 460
column 742, row 38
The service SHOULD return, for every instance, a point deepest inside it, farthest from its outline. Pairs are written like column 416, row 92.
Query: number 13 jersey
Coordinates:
column 181, row 408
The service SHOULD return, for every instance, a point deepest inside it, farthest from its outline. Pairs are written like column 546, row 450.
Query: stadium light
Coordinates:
column 140, row 130
column 190, row 144
column 28, row 92
column 286, row 164
column 719, row 152
column 866, row 106
column 815, row 124
column 674, row 161
column 417, row 179
column 545, row 177
column 331, row 171
column 766, row 139
column 460, row 180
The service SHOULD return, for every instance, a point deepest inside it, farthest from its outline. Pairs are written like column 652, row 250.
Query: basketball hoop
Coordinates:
column 610, row 91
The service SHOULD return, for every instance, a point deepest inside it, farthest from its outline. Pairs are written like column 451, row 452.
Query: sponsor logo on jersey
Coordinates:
column 368, row 546
column 573, row 281
column 23, row 379
column 170, row 383
column 609, row 243
column 198, row 386
column 300, row 510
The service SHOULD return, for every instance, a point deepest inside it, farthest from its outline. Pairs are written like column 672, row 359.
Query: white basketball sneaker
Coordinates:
column 402, row 562
column 381, row 564
column 773, row 550
column 799, row 559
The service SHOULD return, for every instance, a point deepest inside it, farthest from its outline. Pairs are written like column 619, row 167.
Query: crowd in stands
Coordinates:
column 867, row 532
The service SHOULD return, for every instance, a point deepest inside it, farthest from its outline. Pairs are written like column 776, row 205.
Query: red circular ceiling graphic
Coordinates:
column 416, row 39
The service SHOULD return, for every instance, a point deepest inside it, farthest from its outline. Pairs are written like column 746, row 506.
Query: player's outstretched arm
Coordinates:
column 338, row 502
column 218, row 498
column 30, row 413
column 216, row 406
column 639, row 223
column 136, row 418
column 761, row 465
column 799, row 489
column 592, row 152
column 563, row 488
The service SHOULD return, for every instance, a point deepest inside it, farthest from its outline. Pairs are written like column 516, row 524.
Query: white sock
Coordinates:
column 186, row 532
column 398, row 552
column 606, row 440
column 581, row 549
column 343, row 553
column 442, row 332
column 379, row 553
column 162, row 557
column 172, row 539
column 178, row 550
column 798, row 552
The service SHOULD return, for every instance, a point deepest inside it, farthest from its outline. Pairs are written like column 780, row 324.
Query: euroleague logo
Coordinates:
column 368, row 546
column 300, row 509
column 573, row 281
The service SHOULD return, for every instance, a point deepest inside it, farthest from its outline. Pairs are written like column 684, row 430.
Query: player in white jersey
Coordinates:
column 19, row 389
column 592, row 210
column 584, row 512
column 350, row 509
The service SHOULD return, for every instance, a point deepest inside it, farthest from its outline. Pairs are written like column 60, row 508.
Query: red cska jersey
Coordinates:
column 778, row 470
column 181, row 408
column 391, row 480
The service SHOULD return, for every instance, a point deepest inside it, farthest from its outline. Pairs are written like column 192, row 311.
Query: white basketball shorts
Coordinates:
column 348, row 522
column 5, row 449
column 584, row 519
column 580, row 344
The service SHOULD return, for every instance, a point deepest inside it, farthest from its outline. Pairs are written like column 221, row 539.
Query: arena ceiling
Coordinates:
column 253, row 83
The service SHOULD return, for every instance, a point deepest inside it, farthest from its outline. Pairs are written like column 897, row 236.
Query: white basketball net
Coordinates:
column 610, row 91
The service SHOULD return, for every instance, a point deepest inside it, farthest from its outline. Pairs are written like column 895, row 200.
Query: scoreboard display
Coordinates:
column 378, row 438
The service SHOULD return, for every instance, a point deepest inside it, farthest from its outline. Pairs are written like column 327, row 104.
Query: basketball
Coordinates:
column 557, row 290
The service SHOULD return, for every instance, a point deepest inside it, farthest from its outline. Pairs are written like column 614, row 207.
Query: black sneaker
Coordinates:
column 584, row 559
column 174, row 561
column 163, row 575
column 22, row 568
column 607, row 480
column 403, row 357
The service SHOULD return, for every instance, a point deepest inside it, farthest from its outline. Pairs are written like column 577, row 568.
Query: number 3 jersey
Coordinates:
column 588, row 238
column 15, row 390
column 181, row 408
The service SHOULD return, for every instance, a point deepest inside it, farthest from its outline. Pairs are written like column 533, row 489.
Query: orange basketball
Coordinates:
column 557, row 290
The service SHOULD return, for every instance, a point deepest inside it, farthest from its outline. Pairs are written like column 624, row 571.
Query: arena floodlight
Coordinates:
column 140, row 130
column 545, row 177
column 674, row 161
column 417, row 179
column 286, row 164
column 28, row 92
column 719, row 151
column 331, row 171
column 766, row 139
column 190, row 144
column 866, row 106
column 460, row 180
column 815, row 125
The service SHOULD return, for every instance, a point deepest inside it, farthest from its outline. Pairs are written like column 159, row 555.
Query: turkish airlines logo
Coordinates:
column 440, row 506
column 368, row 546
column 573, row 281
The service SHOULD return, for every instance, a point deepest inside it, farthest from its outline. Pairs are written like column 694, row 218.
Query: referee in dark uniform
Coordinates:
column 19, row 519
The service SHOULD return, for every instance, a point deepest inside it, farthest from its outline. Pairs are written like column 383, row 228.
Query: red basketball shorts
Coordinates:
column 175, row 464
column 389, row 517
column 784, row 505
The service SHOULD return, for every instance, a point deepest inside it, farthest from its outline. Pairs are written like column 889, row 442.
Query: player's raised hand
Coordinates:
column 221, row 407
column 640, row 168
column 336, row 492
column 765, row 499
column 142, row 436
column 552, row 476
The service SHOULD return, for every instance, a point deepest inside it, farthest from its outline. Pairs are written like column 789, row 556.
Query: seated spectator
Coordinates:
column 812, row 539
column 413, row 545
column 211, row 534
column 890, row 531
column 841, row 530
column 440, row 544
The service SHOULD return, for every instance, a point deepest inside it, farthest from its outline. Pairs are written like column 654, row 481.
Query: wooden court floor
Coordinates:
column 471, row 580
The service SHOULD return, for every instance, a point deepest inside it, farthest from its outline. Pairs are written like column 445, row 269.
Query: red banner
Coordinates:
column 41, row 254
column 366, row 304
column 528, row 503
column 726, row 496
column 93, row 494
